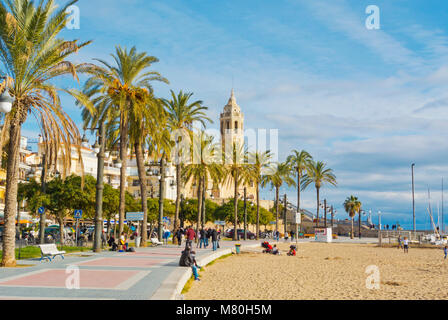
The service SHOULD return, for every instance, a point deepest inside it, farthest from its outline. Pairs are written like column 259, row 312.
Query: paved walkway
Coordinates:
column 107, row 275
column 149, row 273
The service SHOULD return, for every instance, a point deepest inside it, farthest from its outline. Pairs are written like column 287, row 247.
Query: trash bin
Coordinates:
column 137, row 241
column 237, row 248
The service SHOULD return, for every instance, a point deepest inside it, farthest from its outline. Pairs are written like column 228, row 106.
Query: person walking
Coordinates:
column 215, row 239
column 179, row 236
column 399, row 242
column 445, row 251
column 208, row 235
column 202, row 240
column 103, row 239
column 190, row 235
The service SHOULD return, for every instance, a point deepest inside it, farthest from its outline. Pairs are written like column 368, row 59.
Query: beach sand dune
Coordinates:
column 325, row 271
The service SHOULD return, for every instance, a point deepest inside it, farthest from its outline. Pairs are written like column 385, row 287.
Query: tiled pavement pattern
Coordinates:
column 107, row 275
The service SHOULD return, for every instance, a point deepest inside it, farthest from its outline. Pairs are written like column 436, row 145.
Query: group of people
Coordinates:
column 205, row 237
column 268, row 248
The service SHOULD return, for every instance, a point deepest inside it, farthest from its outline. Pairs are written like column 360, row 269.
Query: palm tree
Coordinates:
column 121, row 88
column 182, row 115
column 159, row 148
column 238, row 173
column 260, row 166
column 352, row 206
column 319, row 175
column 203, row 165
column 298, row 162
column 32, row 54
column 281, row 174
column 144, row 122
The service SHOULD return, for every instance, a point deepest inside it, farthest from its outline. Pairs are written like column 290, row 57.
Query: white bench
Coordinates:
column 156, row 242
column 48, row 250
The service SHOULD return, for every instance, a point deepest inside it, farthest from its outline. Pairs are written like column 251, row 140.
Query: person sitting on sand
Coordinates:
column 406, row 244
column 292, row 251
column 275, row 250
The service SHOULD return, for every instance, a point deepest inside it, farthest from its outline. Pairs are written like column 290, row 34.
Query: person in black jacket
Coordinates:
column 188, row 260
column 208, row 235
column 202, row 241
column 214, row 239
column 179, row 236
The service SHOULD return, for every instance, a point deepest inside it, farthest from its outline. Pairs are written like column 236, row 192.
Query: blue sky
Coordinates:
column 367, row 102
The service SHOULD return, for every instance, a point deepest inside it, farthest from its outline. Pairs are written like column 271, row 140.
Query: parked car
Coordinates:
column 250, row 235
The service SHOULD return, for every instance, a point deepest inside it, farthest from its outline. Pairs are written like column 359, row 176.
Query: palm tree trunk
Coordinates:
column 12, row 176
column 235, row 207
column 298, row 191
column 277, row 206
column 298, row 201
column 143, row 191
column 61, row 230
column 351, row 235
column 258, row 211
column 161, row 196
column 318, row 202
column 204, row 192
column 199, row 206
column 178, row 186
column 124, row 162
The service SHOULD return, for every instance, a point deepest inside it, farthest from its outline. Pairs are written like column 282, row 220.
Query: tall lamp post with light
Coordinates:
column 99, row 149
column 413, row 199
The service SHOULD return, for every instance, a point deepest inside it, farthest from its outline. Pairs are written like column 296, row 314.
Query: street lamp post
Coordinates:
column 99, row 147
column 325, row 213
column 161, row 196
column 413, row 199
column 181, row 212
column 332, row 217
column 379, row 231
column 285, row 204
column 42, row 220
column 359, row 223
column 245, row 213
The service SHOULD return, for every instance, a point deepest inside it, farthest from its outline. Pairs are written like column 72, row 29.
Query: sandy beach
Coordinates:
column 325, row 271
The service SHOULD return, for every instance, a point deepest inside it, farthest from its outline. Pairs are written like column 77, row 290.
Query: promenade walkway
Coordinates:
column 106, row 275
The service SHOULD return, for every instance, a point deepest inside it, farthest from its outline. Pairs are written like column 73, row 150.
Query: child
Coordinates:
column 292, row 251
column 275, row 250
column 406, row 245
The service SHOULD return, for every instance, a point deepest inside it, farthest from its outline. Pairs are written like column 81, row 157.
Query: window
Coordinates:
column 236, row 126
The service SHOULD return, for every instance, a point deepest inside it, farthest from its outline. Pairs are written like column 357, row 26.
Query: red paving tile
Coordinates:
column 91, row 279
column 150, row 254
column 123, row 262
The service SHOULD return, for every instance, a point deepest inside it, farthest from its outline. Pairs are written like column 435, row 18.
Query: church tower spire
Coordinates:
column 232, row 121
